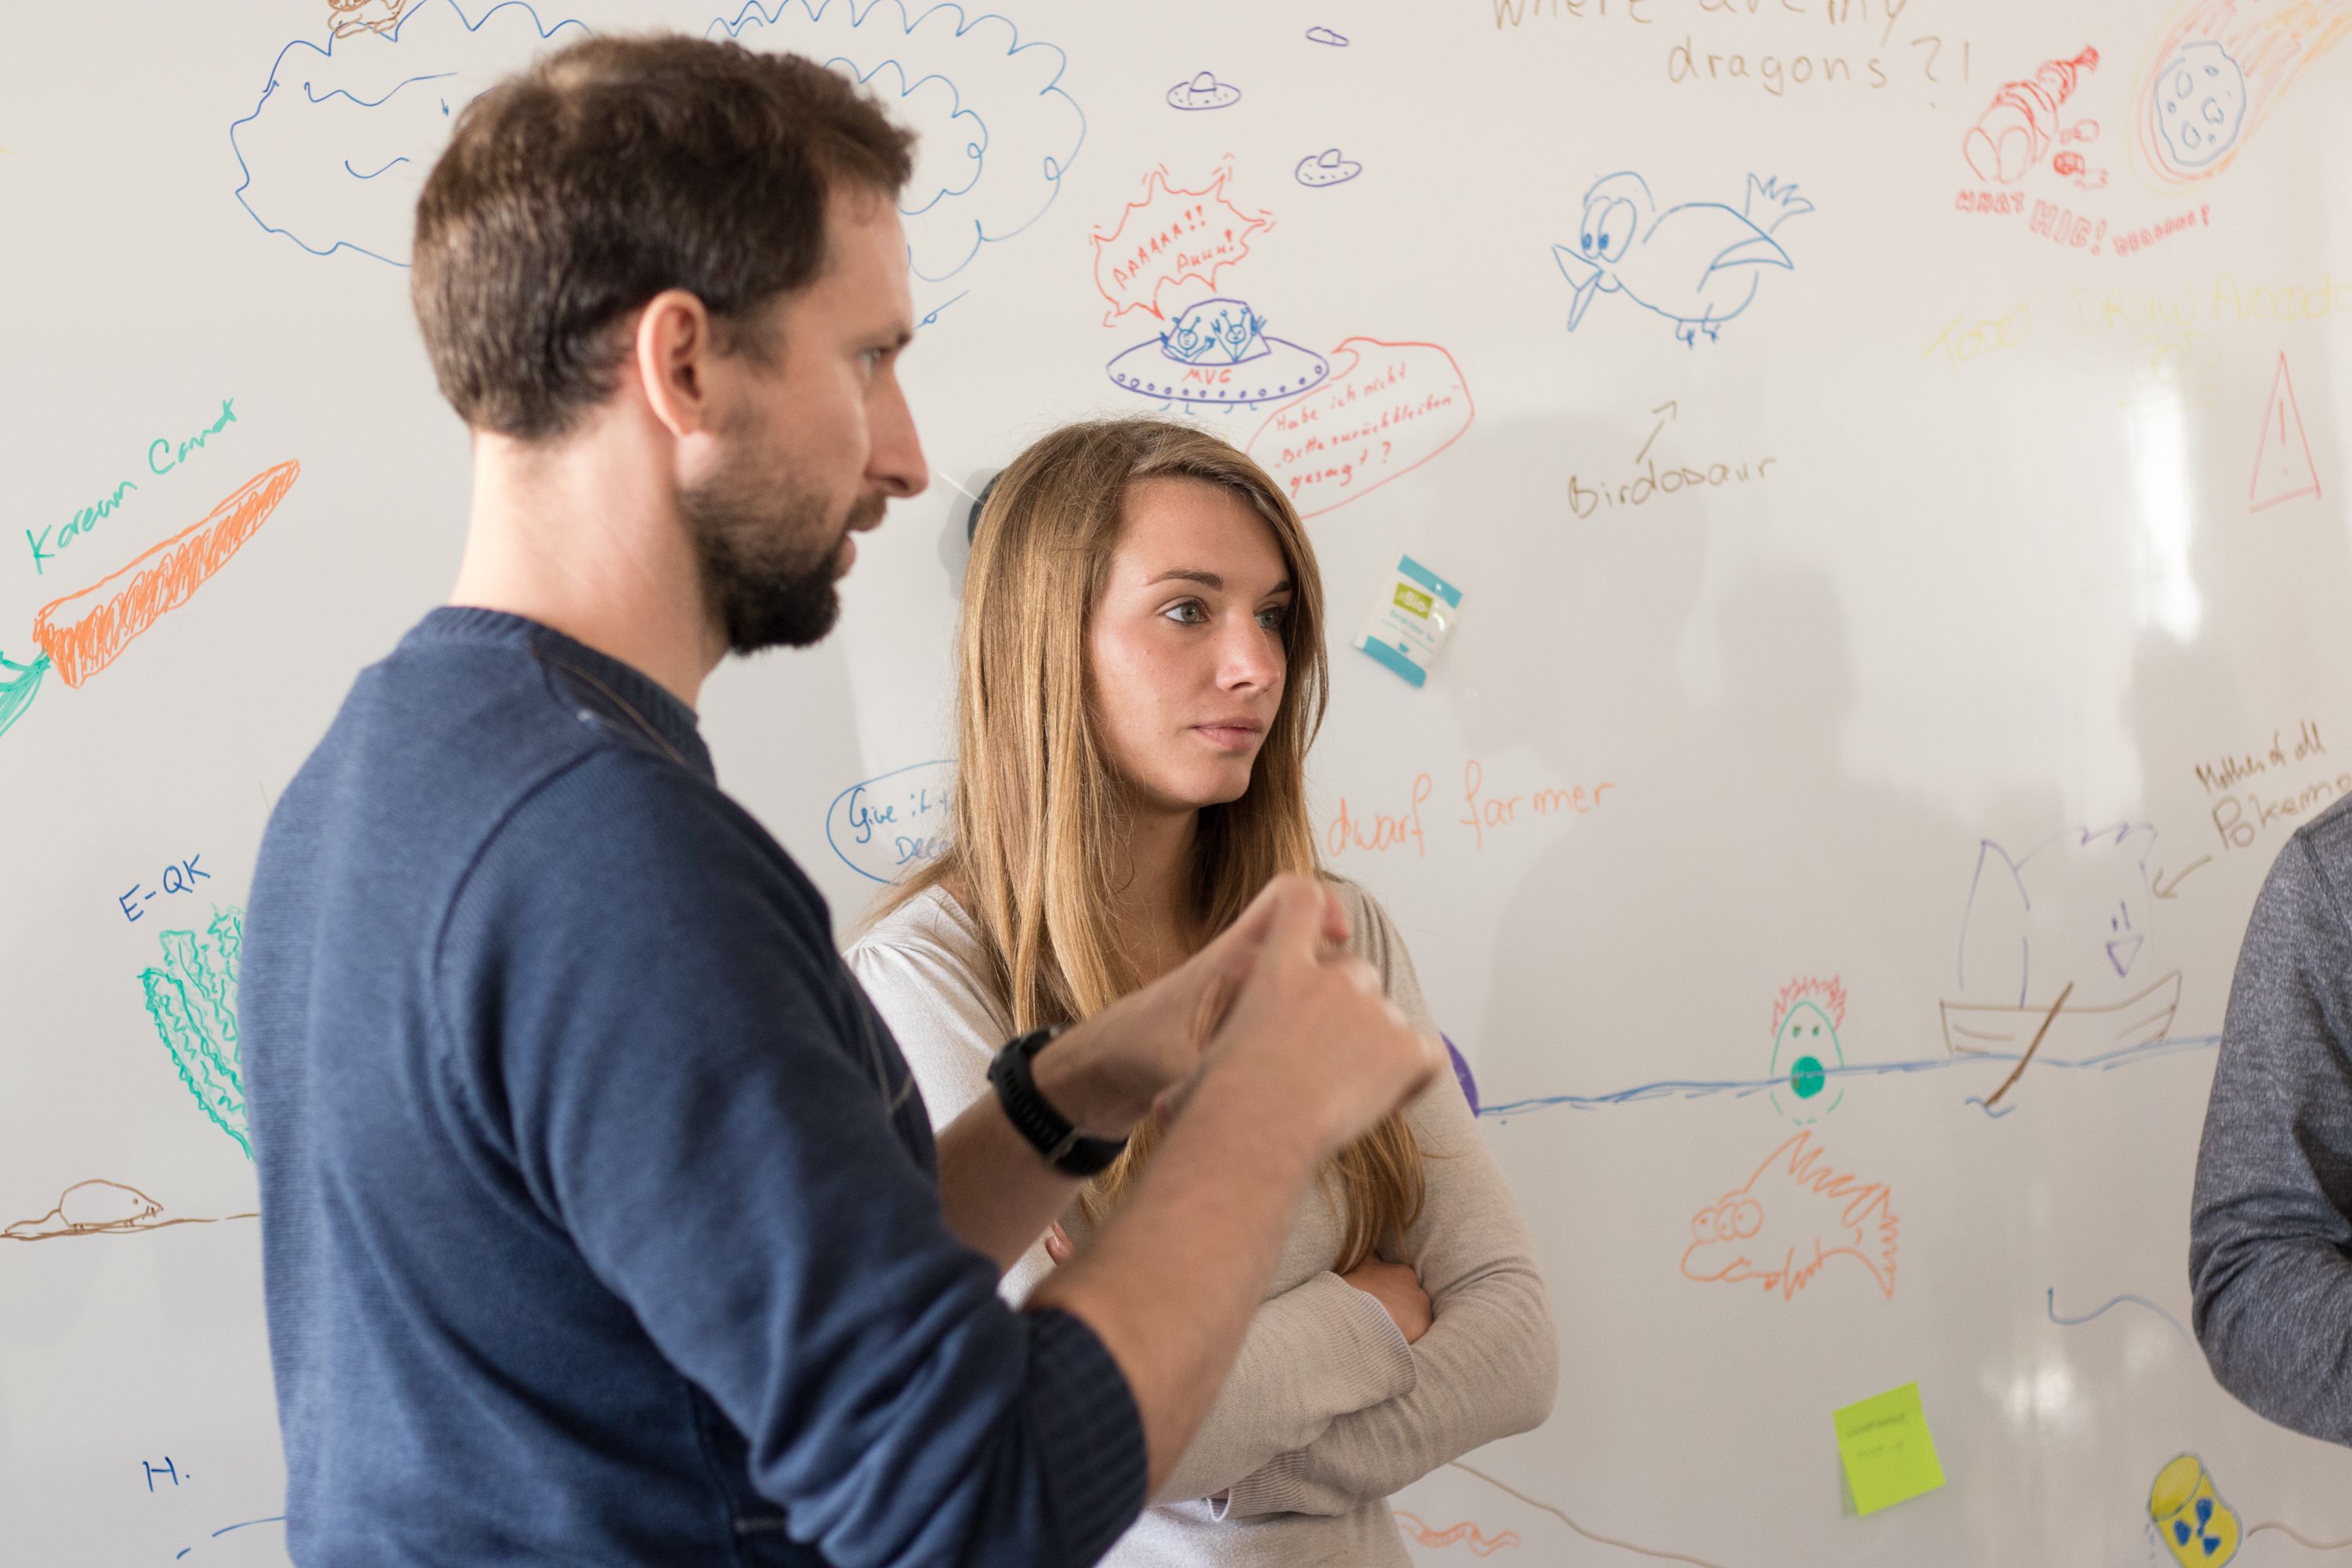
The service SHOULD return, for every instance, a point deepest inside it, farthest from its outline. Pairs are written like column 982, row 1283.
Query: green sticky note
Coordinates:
column 1888, row 1454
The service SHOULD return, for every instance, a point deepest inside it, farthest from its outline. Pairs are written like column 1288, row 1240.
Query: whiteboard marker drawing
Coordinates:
column 886, row 828
column 2022, row 125
column 82, row 633
column 2027, row 1059
column 1218, row 354
column 2283, row 467
column 1386, row 409
column 1171, row 235
column 333, row 153
column 2050, row 1306
column 1328, row 168
column 370, row 15
column 1793, row 1216
column 2195, row 1526
column 101, row 1207
column 1696, row 263
column 2075, row 911
column 192, row 1000
column 1422, row 1532
column 1806, row 1056
column 2215, row 72
column 1203, row 91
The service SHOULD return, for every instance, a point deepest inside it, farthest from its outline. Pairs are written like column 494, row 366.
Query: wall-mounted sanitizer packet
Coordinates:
column 1409, row 619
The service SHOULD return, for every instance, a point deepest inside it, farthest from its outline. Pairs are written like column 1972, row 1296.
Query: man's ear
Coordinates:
column 672, row 358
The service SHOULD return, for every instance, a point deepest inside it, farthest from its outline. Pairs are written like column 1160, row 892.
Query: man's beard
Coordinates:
column 767, row 547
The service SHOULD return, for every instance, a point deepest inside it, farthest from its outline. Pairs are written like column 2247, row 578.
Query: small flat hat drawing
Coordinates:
column 1203, row 91
column 1217, row 353
column 1327, row 168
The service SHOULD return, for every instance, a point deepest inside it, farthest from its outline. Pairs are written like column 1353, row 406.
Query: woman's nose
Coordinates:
column 1250, row 657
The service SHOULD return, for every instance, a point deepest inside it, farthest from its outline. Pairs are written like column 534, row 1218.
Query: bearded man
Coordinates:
column 601, row 1221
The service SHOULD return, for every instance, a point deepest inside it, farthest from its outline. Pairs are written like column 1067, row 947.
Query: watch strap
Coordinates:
column 1066, row 1148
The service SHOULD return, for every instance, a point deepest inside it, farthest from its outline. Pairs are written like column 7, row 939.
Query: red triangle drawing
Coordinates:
column 2283, row 467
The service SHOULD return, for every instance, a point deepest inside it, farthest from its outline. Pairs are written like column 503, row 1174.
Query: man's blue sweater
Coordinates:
column 600, row 1214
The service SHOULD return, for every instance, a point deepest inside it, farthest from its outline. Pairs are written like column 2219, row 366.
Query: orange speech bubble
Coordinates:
column 1387, row 409
column 1172, row 235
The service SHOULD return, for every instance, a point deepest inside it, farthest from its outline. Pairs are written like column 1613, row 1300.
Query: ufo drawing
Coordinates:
column 1337, row 41
column 1217, row 354
column 1203, row 91
column 1326, row 168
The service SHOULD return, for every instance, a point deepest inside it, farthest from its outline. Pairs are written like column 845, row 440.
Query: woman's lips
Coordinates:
column 1231, row 737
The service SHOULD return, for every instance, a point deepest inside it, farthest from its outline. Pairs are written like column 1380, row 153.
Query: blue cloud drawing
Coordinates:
column 335, row 152
column 337, row 149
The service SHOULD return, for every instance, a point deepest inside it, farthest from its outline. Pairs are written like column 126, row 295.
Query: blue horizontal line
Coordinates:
column 1702, row 1088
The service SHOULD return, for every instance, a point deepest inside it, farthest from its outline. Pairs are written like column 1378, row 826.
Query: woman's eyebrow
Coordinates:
column 1210, row 580
column 1190, row 574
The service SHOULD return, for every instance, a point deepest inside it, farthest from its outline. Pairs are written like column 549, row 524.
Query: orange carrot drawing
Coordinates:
column 82, row 633
column 1793, row 1215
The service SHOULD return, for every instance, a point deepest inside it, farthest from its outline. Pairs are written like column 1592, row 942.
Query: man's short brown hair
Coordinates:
column 613, row 169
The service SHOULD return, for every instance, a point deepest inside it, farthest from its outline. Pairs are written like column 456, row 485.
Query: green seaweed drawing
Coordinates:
column 193, row 999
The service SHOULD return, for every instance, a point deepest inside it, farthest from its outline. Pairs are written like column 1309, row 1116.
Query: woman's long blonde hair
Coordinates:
column 1033, row 852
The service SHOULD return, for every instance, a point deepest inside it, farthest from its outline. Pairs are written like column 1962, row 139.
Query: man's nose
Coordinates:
column 896, row 466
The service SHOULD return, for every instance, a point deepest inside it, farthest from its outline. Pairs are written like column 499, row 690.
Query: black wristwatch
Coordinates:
column 1065, row 1149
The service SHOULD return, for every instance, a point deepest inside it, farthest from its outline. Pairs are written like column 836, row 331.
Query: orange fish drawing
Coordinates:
column 1794, row 1215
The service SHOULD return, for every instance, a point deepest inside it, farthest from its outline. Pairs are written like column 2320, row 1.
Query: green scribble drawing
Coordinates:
column 19, row 683
column 193, row 999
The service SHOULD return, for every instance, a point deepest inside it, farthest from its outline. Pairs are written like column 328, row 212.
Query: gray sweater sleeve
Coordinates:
column 1489, row 1364
column 2272, row 1219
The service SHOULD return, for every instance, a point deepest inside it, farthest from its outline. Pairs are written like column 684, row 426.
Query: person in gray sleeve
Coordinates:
column 2271, row 1224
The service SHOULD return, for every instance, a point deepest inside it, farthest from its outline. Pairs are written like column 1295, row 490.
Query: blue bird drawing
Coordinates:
column 1695, row 264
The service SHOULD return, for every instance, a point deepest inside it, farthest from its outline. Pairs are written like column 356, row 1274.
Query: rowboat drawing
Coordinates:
column 1972, row 1028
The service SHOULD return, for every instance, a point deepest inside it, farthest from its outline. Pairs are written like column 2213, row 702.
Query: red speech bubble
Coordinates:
column 1387, row 409
column 1171, row 236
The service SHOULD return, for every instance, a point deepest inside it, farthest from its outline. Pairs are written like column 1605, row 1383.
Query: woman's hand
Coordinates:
column 1395, row 1287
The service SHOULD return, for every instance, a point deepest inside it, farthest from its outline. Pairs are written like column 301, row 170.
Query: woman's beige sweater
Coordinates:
column 1328, row 1410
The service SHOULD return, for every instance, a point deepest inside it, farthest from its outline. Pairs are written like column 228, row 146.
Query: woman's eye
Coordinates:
column 1274, row 618
column 1189, row 614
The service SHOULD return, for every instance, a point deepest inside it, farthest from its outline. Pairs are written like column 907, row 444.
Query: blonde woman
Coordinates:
column 1141, row 671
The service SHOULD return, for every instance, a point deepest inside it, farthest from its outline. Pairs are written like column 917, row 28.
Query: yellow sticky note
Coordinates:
column 1888, row 1455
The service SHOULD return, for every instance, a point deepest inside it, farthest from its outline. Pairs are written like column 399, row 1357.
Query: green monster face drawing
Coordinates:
column 1804, row 1053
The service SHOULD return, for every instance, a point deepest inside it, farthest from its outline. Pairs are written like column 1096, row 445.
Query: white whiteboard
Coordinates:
column 1985, row 509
